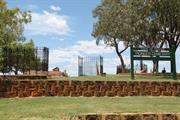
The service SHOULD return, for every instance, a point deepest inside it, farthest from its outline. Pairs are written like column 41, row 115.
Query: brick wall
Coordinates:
column 130, row 116
column 87, row 88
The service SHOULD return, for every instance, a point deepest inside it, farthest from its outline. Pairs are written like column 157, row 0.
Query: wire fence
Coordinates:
column 28, row 61
column 90, row 66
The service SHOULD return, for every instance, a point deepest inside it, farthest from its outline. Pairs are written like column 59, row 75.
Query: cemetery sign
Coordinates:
column 158, row 54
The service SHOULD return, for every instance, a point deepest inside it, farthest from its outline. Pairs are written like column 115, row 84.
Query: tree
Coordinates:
column 11, row 37
column 168, row 17
column 111, row 25
column 21, row 57
column 159, row 23
column 144, row 28
column 148, row 23
column 12, row 24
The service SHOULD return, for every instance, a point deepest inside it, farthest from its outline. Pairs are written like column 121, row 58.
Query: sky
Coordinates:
column 65, row 27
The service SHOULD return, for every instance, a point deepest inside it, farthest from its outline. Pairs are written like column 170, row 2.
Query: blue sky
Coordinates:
column 65, row 27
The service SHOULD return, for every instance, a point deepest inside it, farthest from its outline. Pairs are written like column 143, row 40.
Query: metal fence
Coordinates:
column 90, row 66
column 33, row 61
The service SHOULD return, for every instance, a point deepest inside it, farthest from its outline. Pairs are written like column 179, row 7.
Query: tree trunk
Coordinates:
column 122, row 63
column 119, row 53
column 16, row 71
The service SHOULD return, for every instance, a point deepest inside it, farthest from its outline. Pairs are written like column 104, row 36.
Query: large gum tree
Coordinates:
column 111, row 26
column 148, row 23
column 156, row 23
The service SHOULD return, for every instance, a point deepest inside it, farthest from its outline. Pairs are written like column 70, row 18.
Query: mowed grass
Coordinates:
column 123, row 77
column 55, row 108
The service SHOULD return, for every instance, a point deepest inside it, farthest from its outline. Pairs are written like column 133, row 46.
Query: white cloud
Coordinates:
column 80, row 48
column 90, row 48
column 69, row 55
column 57, row 38
column 55, row 8
column 67, row 58
column 110, row 64
column 32, row 7
column 61, row 39
column 48, row 23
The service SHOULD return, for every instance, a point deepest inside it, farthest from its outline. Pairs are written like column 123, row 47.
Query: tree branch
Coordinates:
column 116, row 46
column 124, row 49
column 162, row 43
column 178, row 42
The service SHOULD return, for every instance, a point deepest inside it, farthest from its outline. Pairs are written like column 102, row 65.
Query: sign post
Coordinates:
column 173, row 63
column 158, row 54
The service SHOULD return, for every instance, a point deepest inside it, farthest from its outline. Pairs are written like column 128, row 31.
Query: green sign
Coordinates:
column 163, row 54
column 151, row 53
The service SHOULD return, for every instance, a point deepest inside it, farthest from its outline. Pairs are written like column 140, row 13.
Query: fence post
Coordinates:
column 36, row 59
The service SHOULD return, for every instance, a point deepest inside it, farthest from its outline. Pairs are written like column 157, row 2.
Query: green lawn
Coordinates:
column 54, row 108
column 150, row 77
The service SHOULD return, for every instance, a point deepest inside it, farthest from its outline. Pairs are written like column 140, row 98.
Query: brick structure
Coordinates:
column 32, row 88
column 57, row 73
column 130, row 116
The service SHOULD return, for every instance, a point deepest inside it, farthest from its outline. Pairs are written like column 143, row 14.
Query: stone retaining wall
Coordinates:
column 23, row 77
column 128, row 116
column 87, row 88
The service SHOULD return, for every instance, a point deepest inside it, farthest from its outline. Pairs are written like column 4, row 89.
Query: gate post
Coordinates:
column 132, row 62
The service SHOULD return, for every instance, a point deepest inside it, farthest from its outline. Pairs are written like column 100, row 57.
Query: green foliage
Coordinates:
column 111, row 23
column 168, row 16
column 149, row 23
column 143, row 27
column 141, row 22
column 16, row 54
column 18, row 57
column 155, row 23
column 12, row 24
